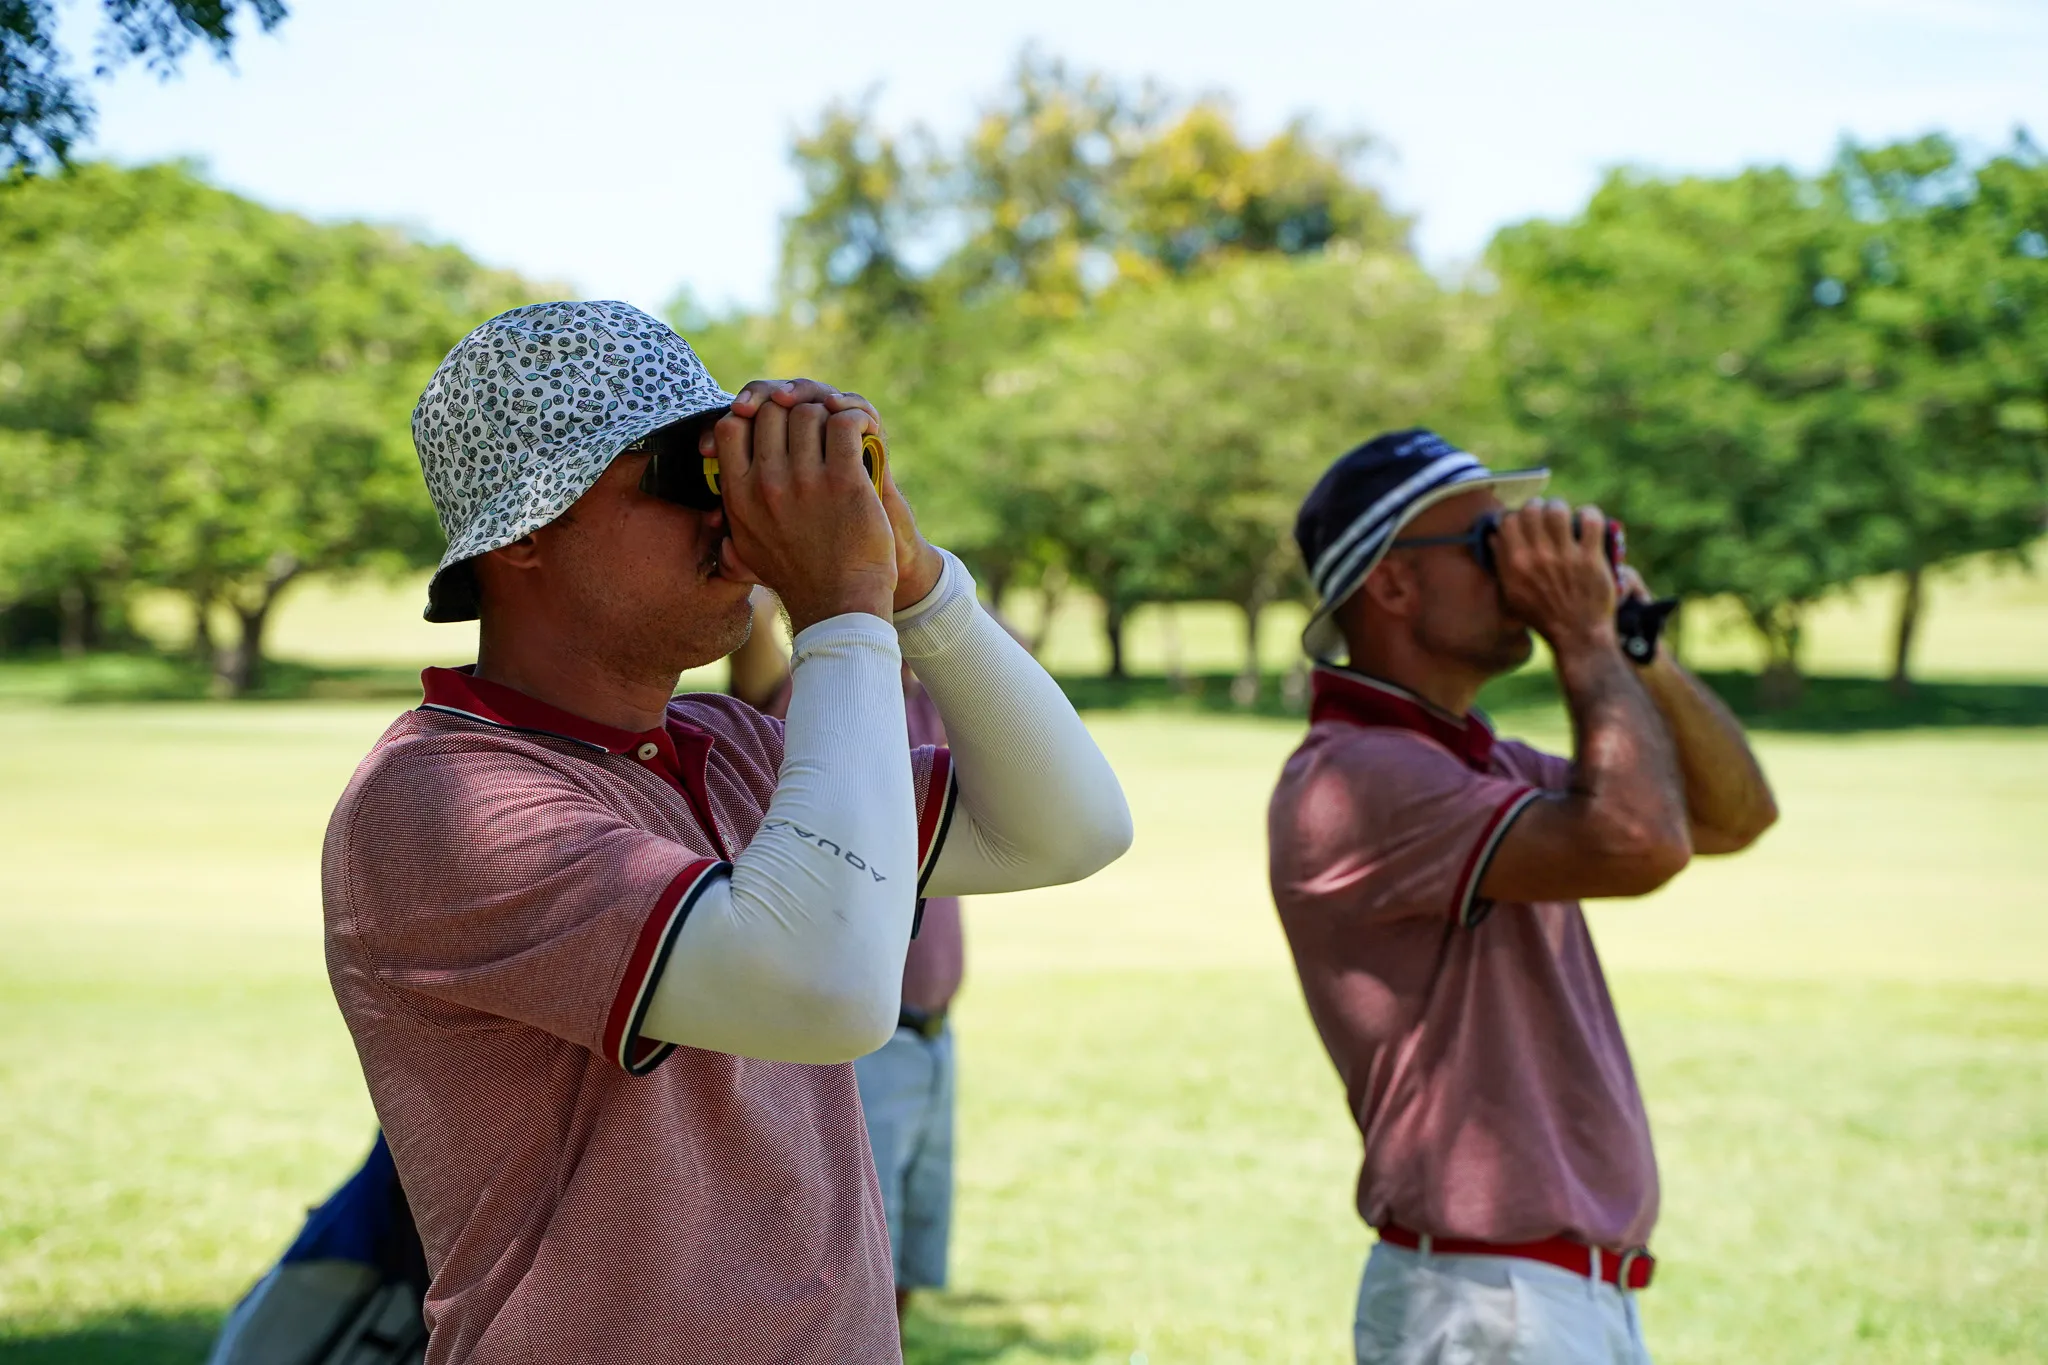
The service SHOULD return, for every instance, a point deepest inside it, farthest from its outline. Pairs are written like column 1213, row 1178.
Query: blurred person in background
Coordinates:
column 1428, row 875
column 907, row 1086
column 607, row 953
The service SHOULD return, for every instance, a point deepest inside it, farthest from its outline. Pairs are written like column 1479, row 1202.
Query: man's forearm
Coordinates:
column 1624, row 763
column 799, row 955
column 1726, row 795
column 1039, row 804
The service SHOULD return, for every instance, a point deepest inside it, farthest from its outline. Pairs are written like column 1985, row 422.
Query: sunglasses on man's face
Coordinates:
column 678, row 472
column 1637, row 621
column 1476, row 538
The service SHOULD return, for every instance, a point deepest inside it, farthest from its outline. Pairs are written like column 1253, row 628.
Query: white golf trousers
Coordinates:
column 1417, row 1309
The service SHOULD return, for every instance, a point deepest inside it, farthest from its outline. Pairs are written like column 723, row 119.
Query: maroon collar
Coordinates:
column 1343, row 695
column 459, row 692
column 678, row 753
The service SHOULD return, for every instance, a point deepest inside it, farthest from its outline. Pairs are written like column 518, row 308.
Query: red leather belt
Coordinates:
column 1622, row 1269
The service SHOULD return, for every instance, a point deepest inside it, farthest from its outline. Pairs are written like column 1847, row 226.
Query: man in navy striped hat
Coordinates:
column 1428, row 876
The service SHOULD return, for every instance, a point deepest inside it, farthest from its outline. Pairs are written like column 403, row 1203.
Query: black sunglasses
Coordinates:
column 678, row 472
column 1637, row 622
column 1476, row 538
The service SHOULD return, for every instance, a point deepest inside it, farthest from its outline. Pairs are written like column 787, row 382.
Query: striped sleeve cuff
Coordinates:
column 622, row 1041
column 936, row 817
column 934, row 821
column 1467, row 907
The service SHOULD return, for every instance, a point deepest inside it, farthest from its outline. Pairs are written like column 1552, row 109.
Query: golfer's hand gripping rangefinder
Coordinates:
column 678, row 472
column 1639, row 623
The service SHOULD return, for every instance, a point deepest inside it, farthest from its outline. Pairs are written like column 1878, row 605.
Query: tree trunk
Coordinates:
column 1295, row 687
column 1051, row 584
column 203, row 647
column 1910, row 602
column 1244, row 688
column 74, row 620
column 1169, row 633
column 239, row 671
column 1113, row 614
column 1781, row 684
column 994, row 580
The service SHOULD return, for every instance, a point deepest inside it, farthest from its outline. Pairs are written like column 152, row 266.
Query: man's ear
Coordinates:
column 1391, row 587
column 523, row 553
column 496, row 570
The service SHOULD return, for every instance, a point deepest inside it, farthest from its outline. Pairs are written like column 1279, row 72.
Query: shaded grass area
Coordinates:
column 1830, row 705
column 145, row 676
column 1826, row 704
column 125, row 1337
column 970, row 1328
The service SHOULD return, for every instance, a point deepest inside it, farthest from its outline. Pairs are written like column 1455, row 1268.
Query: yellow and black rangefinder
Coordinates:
column 677, row 472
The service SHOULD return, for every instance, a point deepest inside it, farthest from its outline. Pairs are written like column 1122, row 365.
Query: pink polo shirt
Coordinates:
column 503, row 882
column 1479, row 1050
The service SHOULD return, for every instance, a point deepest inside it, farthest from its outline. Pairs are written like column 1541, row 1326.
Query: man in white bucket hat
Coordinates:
column 606, row 954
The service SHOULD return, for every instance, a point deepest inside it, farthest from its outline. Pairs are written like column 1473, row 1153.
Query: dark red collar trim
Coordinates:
column 458, row 691
column 1343, row 695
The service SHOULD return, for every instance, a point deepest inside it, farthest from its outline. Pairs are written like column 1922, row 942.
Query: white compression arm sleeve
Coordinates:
column 1039, row 804
column 798, row 957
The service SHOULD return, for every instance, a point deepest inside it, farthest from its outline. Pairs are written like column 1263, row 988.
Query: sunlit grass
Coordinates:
column 1841, row 1035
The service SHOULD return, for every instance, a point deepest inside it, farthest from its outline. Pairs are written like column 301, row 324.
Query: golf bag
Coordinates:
column 347, row 1292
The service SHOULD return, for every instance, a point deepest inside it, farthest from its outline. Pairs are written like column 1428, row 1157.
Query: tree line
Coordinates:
column 203, row 395
column 1116, row 337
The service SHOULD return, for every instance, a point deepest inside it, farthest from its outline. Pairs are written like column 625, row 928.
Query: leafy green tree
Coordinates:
column 1657, row 350
column 60, row 538
column 211, row 396
column 1196, row 192
column 1786, row 384
column 1934, row 353
column 45, row 112
column 1033, row 192
column 1069, row 192
column 1071, row 183
column 845, row 252
column 1175, row 434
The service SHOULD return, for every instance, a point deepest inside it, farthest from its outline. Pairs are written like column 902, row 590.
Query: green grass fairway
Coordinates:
column 1843, row 1037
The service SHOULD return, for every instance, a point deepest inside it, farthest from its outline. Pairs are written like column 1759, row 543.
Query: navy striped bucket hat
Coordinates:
column 1362, row 502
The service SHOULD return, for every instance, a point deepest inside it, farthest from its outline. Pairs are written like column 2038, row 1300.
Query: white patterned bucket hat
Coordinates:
column 529, row 409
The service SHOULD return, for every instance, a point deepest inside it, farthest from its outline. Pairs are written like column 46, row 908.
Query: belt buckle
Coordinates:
column 1628, row 1259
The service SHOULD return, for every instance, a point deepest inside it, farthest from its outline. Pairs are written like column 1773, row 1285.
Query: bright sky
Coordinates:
column 627, row 147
